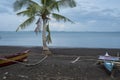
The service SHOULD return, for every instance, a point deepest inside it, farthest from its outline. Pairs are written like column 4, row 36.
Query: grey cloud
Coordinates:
column 108, row 10
column 6, row 6
column 7, row 3
column 99, row 20
column 3, row 10
column 104, row 15
column 6, row 10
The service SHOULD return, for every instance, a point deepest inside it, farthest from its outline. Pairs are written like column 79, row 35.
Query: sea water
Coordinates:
column 62, row 39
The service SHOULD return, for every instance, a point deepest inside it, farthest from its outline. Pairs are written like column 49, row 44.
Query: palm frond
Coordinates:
column 24, row 13
column 38, row 28
column 53, row 6
column 49, row 40
column 31, row 11
column 18, row 4
column 47, row 2
column 67, row 3
column 26, row 23
column 59, row 17
column 43, row 2
column 33, row 2
column 35, row 7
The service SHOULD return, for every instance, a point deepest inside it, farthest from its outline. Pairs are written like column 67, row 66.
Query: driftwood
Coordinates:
column 75, row 60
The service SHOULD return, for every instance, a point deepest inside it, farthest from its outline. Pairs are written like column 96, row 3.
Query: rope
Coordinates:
column 26, row 64
column 38, row 61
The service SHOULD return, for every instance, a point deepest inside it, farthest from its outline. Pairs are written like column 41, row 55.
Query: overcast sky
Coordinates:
column 89, row 15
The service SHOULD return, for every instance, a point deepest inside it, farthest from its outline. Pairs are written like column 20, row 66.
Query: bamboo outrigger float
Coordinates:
column 11, row 59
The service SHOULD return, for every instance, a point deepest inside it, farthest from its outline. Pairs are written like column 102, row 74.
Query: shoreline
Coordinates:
column 60, row 47
column 57, row 66
column 60, row 50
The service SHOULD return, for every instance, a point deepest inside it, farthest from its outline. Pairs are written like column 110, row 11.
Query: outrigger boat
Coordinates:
column 109, row 65
column 11, row 59
column 108, row 61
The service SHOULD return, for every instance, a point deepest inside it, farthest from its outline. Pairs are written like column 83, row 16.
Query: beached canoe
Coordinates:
column 109, row 62
column 108, row 65
column 14, row 58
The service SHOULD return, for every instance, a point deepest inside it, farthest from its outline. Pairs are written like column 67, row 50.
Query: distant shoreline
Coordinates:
column 74, row 31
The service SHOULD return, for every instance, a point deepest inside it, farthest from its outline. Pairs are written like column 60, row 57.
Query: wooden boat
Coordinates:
column 109, row 65
column 109, row 62
column 14, row 58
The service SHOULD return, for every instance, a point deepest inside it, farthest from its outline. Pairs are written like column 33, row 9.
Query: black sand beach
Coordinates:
column 58, row 66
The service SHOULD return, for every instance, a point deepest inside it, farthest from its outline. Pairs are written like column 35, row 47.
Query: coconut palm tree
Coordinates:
column 43, row 11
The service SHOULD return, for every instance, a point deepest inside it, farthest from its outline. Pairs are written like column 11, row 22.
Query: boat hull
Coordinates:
column 108, row 66
column 11, row 59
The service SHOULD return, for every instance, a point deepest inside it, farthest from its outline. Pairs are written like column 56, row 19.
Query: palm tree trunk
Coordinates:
column 45, row 47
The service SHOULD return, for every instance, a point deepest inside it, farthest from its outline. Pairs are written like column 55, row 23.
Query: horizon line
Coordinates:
column 62, row 31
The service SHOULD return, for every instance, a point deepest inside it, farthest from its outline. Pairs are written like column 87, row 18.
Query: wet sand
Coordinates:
column 58, row 66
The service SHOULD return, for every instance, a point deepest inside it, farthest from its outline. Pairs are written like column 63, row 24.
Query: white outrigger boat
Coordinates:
column 109, row 62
